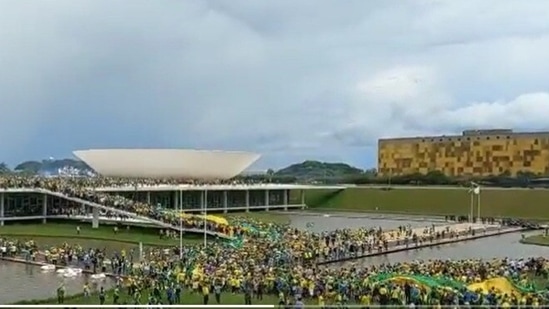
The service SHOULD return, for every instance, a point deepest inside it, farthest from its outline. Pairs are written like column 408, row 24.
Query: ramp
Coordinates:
column 131, row 215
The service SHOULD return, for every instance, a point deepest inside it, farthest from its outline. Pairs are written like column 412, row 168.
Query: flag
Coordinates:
column 476, row 190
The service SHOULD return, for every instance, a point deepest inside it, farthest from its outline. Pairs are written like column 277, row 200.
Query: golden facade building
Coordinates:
column 474, row 153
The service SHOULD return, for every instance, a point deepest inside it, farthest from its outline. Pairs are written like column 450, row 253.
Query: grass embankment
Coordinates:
column 61, row 231
column 537, row 240
column 516, row 203
column 52, row 234
column 187, row 298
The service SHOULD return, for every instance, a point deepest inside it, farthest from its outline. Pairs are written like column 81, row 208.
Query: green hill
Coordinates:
column 318, row 170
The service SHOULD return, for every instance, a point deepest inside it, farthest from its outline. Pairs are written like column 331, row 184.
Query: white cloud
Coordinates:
column 293, row 79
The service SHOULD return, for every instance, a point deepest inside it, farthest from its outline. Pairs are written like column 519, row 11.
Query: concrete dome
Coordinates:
column 167, row 163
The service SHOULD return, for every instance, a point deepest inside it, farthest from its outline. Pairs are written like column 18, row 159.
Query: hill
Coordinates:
column 318, row 170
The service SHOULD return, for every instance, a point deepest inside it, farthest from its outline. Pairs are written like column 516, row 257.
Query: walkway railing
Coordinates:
column 131, row 214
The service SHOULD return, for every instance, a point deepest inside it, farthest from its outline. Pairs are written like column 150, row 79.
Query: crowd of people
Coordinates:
column 278, row 261
column 265, row 266
column 20, row 181
column 85, row 188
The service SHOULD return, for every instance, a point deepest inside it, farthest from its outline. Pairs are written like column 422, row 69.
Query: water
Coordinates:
column 502, row 246
column 40, row 285
column 25, row 282
column 343, row 220
column 506, row 245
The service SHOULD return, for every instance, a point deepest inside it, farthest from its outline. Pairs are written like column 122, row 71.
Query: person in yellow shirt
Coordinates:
column 205, row 293
column 321, row 303
column 86, row 290
column 365, row 301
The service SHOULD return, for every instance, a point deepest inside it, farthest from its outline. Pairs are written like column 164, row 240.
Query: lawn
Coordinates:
column 517, row 203
column 52, row 234
column 55, row 233
column 538, row 240
column 187, row 298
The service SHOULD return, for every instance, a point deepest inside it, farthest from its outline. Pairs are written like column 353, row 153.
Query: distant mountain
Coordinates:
column 318, row 170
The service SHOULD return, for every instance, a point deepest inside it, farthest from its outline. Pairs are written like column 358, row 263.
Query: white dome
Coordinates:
column 167, row 163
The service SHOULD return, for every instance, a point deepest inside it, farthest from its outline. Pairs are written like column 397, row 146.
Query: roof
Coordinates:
column 219, row 188
column 167, row 163
column 193, row 188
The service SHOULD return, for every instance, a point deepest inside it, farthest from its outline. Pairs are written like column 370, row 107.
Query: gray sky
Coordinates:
column 293, row 80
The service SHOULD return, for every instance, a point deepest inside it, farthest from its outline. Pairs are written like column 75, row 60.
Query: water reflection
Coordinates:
column 507, row 245
column 24, row 282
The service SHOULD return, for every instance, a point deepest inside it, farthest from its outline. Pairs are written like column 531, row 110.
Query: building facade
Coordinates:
column 474, row 153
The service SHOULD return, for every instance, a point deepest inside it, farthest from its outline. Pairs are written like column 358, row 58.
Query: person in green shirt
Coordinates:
column 116, row 296
column 61, row 294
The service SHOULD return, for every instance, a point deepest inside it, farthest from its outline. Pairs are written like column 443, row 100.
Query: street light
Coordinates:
column 180, row 224
column 475, row 190
column 205, row 214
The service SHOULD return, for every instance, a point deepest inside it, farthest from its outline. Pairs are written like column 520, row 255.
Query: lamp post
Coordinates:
column 180, row 224
column 205, row 221
column 475, row 190
column 472, row 206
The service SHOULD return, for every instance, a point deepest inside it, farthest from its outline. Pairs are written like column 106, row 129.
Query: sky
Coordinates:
column 292, row 80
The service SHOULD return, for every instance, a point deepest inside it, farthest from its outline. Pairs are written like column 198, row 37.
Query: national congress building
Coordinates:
column 474, row 153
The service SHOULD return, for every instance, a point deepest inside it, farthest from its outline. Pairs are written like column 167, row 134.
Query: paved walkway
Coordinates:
column 464, row 234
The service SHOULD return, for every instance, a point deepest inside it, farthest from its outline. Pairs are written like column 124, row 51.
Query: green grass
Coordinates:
column 537, row 240
column 187, row 298
column 530, row 204
column 59, row 232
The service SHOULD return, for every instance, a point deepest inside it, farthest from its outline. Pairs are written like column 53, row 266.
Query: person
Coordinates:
column 61, row 294
column 299, row 304
column 205, row 293
column 247, row 293
column 217, row 291
column 116, row 296
column 281, row 300
column 102, row 296
column 178, row 291
column 78, row 230
column 86, row 290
